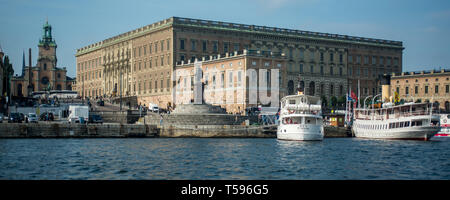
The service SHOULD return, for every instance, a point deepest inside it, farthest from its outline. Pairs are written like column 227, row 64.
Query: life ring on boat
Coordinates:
column 291, row 111
column 445, row 120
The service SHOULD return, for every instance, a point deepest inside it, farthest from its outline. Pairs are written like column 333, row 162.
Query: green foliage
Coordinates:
column 341, row 101
column 333, row 101
column 8, row 72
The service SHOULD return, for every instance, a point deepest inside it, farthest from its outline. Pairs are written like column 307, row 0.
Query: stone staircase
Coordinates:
column 198, row 109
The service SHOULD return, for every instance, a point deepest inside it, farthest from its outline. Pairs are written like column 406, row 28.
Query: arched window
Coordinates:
column 312, row 88
column 290, row 87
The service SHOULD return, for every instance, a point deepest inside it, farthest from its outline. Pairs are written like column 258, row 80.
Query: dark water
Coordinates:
column 194, row 158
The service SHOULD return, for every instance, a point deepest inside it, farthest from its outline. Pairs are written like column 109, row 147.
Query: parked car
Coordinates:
column 31, row 118
column 95, row 119
column 14, row 117
column 47, row 116
column 22, row 117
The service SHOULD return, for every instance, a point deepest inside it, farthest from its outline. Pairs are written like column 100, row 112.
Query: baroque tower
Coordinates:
column 47, row 57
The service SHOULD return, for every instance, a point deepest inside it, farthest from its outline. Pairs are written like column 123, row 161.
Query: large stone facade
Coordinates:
column 424, row 86
column 317, row 62
column 235, row 81
column 45, row 75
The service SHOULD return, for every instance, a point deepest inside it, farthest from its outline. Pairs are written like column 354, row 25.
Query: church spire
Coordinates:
column 47, row 39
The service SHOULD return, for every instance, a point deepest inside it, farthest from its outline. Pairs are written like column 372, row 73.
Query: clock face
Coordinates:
column 44, row 80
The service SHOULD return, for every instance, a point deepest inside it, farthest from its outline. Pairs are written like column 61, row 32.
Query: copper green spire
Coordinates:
column 47, row 35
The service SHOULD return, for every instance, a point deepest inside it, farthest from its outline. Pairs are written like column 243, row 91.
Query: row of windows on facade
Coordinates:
column 374, row 60
column 89, row 64
column 98, row 74
column 150, row 62
column 208, row 84
column 321, row 88
column 90, row 75
column 426, row 80
column 426, row 90
column 365, row 71
column 321, row 56
column 142, row 50
column 215, row 45
column 236, row 47
column 321, row 69
column 301, row 53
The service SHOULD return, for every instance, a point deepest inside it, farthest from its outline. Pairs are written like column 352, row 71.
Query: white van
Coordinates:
column 76, row 112
column 153, row 108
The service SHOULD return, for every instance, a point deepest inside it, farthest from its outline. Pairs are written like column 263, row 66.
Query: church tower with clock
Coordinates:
column 45, row 76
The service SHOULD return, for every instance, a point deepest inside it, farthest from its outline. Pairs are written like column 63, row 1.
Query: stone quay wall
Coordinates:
column 217, row 131
column 195, row 119
column 63, row 130
column 333, row 132
column 123, row 117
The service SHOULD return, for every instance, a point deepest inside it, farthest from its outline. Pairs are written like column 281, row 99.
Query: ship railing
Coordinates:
column 391, row 116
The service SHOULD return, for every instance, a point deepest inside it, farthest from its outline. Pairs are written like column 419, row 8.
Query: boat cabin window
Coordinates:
column 292, row 101
column 435, row 123
column 416, row 123
column 292, row 120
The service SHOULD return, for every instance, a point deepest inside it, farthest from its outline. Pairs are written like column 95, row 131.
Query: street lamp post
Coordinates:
column 365, row 100
column 374, row 99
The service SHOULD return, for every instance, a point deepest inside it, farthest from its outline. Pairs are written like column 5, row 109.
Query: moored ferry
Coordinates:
column 300, row 118
column 445, row 126
column 405, row 121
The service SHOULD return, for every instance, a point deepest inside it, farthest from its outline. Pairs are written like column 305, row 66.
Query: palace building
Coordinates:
column 140, row 63
column 45, row 75
column 424, row 86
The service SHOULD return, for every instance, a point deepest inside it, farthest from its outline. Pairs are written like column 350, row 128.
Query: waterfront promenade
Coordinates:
column 117, row 130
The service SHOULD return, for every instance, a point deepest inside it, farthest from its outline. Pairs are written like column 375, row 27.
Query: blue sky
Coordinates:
column 423, row 26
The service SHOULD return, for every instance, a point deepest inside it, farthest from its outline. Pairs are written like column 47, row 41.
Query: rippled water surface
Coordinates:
column 197, row 158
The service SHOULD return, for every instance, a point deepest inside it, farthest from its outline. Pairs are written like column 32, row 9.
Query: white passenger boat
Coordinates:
column 300, row 118
column 445, row 127
column 406, row 121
